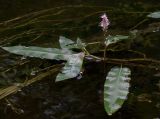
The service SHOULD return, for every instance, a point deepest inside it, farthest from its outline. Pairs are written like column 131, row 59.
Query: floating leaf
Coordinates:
column 72, row 68
column 116, row 88
column 114, row 39
column 44, row 53
column 154, row 15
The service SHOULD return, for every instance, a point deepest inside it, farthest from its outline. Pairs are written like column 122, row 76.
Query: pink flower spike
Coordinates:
column 105, row 22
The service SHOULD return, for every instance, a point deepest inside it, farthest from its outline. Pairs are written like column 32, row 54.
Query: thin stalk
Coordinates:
column 104, row 55
column 92, row 43
column 105, row 49
column 141, row 22
column 86, row 51
column 95, row 57
column 130, row 62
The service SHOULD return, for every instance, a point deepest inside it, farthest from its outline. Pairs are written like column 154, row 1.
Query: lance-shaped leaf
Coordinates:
column 114, row 39
column 39, row 52
column 116, row 88
column 154, row 15
column 80, row 44
column 66, row 43
column 72, row 68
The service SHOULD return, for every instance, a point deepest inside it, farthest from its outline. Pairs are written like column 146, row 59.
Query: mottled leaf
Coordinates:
column 114, row 39
column 116, row 88
column 154, row 15
column 72, row 68
column 39, row 52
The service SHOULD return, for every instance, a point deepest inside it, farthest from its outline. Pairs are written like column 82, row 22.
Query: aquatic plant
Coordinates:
column 116, row 86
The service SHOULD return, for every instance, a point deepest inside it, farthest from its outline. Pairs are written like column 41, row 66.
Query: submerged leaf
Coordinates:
column 154, row 15
column 39, row 52
column 72, row 68
column 116, row 88
column 114, row 39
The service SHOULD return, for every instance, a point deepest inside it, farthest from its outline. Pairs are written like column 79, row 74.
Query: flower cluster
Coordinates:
column 105, row 22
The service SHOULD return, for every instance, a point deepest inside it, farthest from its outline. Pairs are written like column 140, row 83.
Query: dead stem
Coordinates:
column 18, row 64
column 141, row 22
column 4, row 92
column 35, row 14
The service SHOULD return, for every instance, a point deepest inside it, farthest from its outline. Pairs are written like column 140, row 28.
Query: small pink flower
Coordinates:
column 105, row 22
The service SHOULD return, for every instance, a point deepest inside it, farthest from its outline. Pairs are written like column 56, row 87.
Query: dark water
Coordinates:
column 73, row 98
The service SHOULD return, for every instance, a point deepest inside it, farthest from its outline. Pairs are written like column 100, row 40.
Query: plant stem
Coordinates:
column 92, row 43
column 130, row 62
column 95, row 57
column 104, row 55
column 86, row 51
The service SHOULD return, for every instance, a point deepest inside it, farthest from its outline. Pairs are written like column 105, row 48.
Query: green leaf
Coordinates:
column 154, row 15
column 72, row 68
column 65, row 42
column 80, row 45
column 116, row 88
column 114, row 39
column 39, row 52
column 133, row 34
